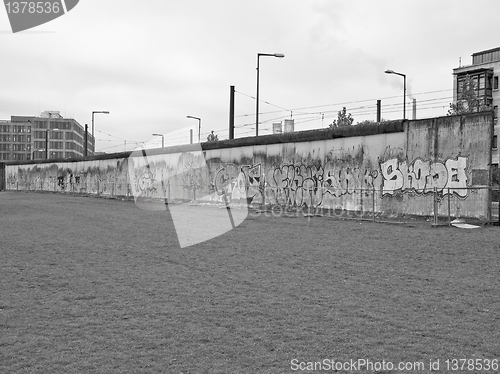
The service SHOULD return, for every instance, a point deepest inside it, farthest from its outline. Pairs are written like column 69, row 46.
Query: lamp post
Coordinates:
column 47, row 142
column 279, row 55
column 93, row 139
column 199, row 127
column 404, row 89
column 162, row 139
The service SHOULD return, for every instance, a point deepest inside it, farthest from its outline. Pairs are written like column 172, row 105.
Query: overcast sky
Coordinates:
column 151, row 63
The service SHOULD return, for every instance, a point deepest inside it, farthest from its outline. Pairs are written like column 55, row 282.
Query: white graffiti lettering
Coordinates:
column 424, row 176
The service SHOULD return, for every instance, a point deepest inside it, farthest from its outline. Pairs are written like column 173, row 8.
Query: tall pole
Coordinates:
column 47, row 139
column 162, row 139
column 404, row 97
column 47, row 144
column 257, row 99
column 231, row 112
column 85, row 152
column 199, row 127
column 404, row 89
column 279, row 55
column 93, row 138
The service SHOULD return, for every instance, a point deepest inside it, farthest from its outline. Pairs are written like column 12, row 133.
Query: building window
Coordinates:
column 495, row 111
column 485, row 57
column 40, row 124
column 481, row 82
column 18, row 156
column 56, row 155
column 56, row 135
column 495, row 83
column 495, row 141
column 56, row 145
column 19, row 147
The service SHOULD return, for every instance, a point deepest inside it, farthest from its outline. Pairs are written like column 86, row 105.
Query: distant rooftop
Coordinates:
column 50, row 114
column 490, row 55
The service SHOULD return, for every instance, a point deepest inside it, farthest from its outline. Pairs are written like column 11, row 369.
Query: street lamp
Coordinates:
column 404, row 89
column 47, row 142
column 279, row 55
column 199, row 127
column 162, row 139
column 93, row 139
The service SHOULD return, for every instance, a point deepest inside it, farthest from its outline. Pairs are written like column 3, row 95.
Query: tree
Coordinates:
column 467, row 100
column 343, row 119
column 370, row 122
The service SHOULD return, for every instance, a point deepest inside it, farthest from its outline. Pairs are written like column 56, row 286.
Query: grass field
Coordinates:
column 93, row 285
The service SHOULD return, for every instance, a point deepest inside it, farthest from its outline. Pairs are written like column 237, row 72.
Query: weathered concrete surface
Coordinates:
column 394, row 167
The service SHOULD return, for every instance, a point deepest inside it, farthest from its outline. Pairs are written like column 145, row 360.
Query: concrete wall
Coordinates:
column 394, row 167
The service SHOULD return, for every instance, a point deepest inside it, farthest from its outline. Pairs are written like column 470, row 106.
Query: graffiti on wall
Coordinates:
column 238, row 182
column 145, row 181
column 355, row 170
column 289, row 184
column 424, row 176
column 308, row 185
column 192, row 177
column 296, row 185
column 303, row 185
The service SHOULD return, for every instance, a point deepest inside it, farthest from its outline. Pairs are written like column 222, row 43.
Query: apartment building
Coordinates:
column 484, row 71
column 49, row 136
column 15, row 141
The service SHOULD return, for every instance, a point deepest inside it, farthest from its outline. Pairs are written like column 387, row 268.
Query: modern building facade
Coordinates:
column 15, row 141
column 484, row 72
column 49, row 136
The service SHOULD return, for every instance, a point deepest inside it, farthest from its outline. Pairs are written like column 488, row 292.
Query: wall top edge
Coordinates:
column 293, row 137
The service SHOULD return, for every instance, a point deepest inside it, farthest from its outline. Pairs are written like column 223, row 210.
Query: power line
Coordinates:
column 298, row 110
column 108, row 134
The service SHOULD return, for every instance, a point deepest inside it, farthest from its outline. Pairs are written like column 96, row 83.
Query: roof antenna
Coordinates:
column 460, row 62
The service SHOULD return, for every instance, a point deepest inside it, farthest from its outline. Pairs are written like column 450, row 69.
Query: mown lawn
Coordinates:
column 92, row 285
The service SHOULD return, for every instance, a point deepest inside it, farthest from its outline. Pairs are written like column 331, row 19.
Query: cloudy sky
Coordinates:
column 151, row 63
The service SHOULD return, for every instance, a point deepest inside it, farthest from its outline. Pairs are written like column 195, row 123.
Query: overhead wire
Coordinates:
column 307, row 114
column 424, row 104
column 297, row 110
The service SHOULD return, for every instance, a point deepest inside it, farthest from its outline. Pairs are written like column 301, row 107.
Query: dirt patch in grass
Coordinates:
column 98, row 285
